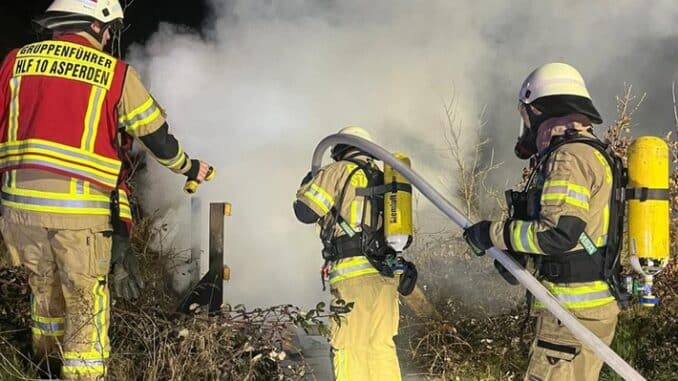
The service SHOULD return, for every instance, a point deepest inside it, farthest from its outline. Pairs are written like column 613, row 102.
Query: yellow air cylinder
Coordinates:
column 648, row 210
column 397, row 206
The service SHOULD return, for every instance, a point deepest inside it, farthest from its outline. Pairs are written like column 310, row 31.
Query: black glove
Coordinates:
column 126, row 280
column 307, row 178
column 192, row 173
column 521, row 259
column 478, row 237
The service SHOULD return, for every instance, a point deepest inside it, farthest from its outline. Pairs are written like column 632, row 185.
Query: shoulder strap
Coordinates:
column 617, row 199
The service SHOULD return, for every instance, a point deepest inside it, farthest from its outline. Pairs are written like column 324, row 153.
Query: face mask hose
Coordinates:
column 521, row 274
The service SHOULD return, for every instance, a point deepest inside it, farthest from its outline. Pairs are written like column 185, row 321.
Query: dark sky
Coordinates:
column 142, row 17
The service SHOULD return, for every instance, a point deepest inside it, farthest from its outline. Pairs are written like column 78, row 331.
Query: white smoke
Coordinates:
column 272, row 78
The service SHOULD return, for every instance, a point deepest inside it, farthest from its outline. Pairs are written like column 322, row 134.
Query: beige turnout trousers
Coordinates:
column 556, row 355
column 70, row 300
column 362, row 345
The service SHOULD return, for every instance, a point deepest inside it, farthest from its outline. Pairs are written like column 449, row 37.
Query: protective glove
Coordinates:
column 478, row 237
column 200, row 171
column 508, row 277
column 126, row 281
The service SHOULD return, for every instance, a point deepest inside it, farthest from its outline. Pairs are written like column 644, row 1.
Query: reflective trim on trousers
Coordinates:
column 84, row 363
column 351, row 268
column 340, row 365
column 48, row 329
column 100, row 333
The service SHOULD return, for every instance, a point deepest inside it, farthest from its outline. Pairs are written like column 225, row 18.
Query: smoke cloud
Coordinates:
column 266, row 80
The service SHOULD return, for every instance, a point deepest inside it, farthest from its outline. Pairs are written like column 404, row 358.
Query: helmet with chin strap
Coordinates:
column 552, row 90
column 78, row 15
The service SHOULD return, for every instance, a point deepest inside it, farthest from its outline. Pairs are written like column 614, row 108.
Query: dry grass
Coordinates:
column 150, row 341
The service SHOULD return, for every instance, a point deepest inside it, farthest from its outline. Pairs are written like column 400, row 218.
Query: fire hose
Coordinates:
column 520, row 273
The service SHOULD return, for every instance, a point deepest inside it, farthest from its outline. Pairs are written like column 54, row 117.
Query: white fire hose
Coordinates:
column 520, row 273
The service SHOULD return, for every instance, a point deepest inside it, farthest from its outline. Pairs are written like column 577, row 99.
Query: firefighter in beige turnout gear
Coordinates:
column 63, row 104
column 367, row 302
column 563, row 223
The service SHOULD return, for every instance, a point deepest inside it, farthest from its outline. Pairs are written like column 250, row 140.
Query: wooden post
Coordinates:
column 210, row 289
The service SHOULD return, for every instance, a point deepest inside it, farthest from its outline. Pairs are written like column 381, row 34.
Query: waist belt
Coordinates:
column 345, row 246
column 574, row 267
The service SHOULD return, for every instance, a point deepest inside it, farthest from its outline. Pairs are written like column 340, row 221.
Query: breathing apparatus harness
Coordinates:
column 592, row 263
column 370, row 240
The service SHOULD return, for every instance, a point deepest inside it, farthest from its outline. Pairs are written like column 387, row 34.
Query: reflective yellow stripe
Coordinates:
column 55, row 195
column 358, row 180
column 602, row 240
column 125, row 210
column 47, row 332
column 15, row 86
column 72, row 169
column 587, row 295
column 85, row 363
column 356, row 217
column 130, row 115
column 47, row 326
column 340, row 365
column 71, row 160
column 86, row 355
column 62, row 203
column 59, row 150
column 562, row 190
column 351, row 268
column 523, row 237
column 100, row 333
column 89, row 370
column 47, row 320
column 608, row 170
column 176, row 162
column 37, row 205
column 571, row 186
column 320, row 197
column 142, row 115
column 92, row 118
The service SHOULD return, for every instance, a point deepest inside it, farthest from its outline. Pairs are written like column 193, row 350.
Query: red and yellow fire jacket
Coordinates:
column 63, row 104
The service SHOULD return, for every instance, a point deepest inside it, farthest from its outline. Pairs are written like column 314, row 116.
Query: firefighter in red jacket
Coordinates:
column 63, row 106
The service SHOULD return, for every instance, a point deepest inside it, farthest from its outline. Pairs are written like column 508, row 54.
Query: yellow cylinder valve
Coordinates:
column 648, row 211
column 397, row 206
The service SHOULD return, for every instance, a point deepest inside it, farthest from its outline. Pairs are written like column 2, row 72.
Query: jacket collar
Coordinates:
column 81, row 38
column 555, row 127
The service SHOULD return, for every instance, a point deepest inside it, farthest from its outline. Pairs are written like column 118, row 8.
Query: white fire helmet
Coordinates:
column 75, row 13
column 553, row 79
